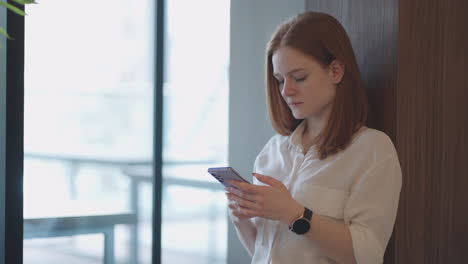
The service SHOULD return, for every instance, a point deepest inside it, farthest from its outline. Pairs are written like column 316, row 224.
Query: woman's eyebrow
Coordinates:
column 289, row 73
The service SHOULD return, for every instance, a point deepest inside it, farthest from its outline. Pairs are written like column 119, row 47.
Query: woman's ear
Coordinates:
column 337, row 69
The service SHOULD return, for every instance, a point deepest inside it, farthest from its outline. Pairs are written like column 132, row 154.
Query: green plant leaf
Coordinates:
column 25, row 2
column 13, row 8
column 4, row 33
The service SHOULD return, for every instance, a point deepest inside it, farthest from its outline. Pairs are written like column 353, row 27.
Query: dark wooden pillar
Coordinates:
column 432, row 126
column 413, row 59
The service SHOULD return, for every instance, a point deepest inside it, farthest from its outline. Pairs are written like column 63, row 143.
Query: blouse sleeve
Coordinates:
column 371, row 209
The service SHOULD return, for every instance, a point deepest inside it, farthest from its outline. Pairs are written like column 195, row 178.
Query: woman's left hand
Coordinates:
column 272, row 202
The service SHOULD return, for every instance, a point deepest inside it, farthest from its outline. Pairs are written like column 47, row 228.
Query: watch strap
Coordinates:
column 307, row 213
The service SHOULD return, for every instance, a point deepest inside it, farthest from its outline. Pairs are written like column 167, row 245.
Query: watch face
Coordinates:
column 301, row 226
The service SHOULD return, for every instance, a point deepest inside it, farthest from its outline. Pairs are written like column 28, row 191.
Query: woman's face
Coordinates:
column 306, row 86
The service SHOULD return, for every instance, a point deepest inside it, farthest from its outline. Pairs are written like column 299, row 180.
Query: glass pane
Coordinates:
column 69, row 250
column 194, row 228
column 88, row 119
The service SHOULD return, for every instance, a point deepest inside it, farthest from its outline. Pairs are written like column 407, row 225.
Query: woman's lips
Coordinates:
column 295, row 103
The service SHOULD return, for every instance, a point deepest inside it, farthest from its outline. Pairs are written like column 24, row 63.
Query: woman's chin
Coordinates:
column 298, row 116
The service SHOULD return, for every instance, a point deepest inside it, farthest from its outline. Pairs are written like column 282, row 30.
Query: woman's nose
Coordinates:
column 288, row 88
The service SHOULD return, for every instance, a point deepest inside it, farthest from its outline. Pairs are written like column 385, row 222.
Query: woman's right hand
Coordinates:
column 234, row 212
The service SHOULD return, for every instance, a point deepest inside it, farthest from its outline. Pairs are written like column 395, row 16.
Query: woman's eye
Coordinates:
column 301, row 79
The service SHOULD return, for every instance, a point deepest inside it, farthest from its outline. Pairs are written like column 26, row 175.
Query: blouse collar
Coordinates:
column 295, row 139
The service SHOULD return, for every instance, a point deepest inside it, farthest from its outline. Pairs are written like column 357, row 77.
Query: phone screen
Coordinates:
column 225, row 174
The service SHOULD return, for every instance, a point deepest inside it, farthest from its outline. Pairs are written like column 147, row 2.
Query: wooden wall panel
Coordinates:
column 431, row 129
column 454, row 163
column 413, row 59
column 414, row 132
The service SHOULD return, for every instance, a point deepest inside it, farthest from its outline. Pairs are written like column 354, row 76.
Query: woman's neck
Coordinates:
column 309, row 137
column 313, row 127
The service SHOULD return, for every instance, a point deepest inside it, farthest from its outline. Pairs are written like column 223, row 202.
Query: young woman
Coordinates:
column 326, row 186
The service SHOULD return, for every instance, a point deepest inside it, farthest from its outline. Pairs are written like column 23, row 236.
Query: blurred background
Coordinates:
column 89, row 102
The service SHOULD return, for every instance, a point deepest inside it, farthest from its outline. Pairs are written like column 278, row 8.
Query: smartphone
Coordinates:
column 224, row 174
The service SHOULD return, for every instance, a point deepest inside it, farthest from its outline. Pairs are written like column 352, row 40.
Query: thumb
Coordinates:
column 269, row 180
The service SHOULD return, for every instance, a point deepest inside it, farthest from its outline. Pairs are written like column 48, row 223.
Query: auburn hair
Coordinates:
column 322, row 37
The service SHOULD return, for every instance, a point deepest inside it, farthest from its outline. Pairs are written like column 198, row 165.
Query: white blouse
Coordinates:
column 359, row 186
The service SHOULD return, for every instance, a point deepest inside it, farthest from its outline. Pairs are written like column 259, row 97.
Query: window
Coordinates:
column 88, row 117
column 89, row 131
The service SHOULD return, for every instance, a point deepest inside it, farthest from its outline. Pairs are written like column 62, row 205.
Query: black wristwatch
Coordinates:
column 301, row 225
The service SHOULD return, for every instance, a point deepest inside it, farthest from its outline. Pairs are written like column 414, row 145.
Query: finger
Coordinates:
column 232, row 206
column 246, row 187
column 235, row 208
column 231, row 203
column 239, row 215
column 247, row 212
column 235, row 212
column 242, row 202
column 229, row 198
column 241, row 194
column 269, row 180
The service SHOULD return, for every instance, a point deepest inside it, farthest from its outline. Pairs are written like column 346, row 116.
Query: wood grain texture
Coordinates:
column 413, row 132
column 454, row 164
column 431, row 130
column 372, row 29
column 413, row 60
